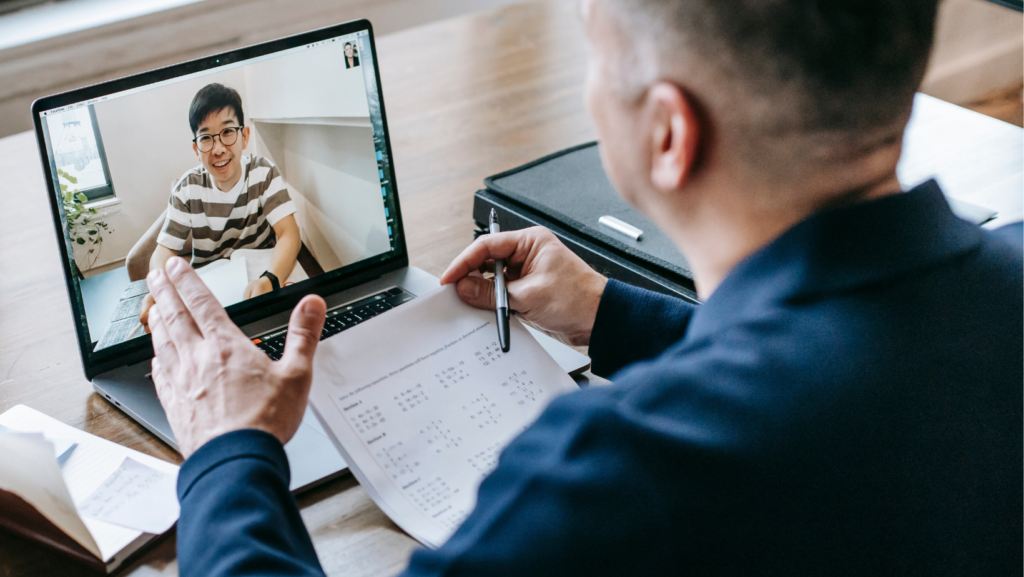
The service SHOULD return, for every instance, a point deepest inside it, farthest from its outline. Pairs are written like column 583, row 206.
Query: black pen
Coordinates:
column 500, row 292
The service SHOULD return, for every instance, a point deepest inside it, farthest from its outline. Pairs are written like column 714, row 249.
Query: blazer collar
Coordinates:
column 840, row 250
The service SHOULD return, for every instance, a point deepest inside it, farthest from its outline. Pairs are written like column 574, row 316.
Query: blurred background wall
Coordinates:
column 978, row 59
column 147, row 34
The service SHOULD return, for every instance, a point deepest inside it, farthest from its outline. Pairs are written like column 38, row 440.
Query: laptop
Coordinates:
column 219, row 160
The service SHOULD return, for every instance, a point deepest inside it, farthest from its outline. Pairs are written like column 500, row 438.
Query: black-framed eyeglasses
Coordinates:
column 227, row 137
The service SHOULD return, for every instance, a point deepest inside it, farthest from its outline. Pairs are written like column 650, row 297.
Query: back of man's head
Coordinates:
column 782, row 69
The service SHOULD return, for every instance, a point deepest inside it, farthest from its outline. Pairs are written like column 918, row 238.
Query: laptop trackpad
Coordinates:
column 311, row 455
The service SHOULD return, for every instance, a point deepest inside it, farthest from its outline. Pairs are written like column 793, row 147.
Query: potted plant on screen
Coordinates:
column 86, row 226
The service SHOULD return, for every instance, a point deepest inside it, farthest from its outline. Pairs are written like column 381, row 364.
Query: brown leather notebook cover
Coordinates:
column 17, row 516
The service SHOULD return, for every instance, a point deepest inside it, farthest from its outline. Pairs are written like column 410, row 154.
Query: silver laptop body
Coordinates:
column 313, row 104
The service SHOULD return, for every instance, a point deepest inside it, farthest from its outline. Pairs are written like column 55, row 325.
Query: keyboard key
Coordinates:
column 395, row 291
column 399, row 299
column 363, row 313
column 381, row 306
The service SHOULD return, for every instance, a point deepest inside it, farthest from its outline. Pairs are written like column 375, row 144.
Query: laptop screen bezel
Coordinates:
column 141, row 348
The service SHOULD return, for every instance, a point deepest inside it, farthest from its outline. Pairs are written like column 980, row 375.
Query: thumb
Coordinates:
column 477, row 291
column 304, row 329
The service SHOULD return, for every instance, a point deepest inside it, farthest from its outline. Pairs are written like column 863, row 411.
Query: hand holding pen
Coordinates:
column 547, row 285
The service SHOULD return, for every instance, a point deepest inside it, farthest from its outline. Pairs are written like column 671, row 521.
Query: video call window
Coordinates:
column 262, row 173
column 78, row 152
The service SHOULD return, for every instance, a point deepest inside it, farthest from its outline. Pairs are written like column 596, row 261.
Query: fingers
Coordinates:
column 487, row 247
column 181, row 328
column 163, row 346
column 477, row 291
column 167, row 393
column 208, row 313
column 304, row 329
column 162, row 381
column 147, row 303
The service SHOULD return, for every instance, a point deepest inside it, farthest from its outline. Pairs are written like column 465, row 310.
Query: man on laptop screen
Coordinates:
column 262, row 173
column 227, row 202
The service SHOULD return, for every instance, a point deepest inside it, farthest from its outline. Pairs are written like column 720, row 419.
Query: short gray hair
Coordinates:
column 783, row 66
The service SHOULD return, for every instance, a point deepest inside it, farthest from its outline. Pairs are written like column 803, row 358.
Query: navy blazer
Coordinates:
column 849, row 401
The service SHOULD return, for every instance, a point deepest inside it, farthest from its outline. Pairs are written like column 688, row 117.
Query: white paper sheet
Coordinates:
column 226, row 279
column 135, row 496
column 88, row 465
column 421, row 400
column 61, row 447
column 974, row 158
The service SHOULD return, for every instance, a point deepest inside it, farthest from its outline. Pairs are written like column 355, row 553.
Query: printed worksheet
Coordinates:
column 421, row 400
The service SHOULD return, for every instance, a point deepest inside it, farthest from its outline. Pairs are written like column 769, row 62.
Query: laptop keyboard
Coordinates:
column 339, row 319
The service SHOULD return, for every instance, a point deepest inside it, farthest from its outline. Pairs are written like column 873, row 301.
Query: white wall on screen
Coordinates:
column 312, row 84
column 331, row 171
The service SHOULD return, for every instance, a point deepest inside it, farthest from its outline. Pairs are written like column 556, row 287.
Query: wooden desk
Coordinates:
column 466, row 98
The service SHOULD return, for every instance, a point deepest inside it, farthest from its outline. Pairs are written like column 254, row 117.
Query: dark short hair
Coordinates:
column 837, row 64
column 210, row 99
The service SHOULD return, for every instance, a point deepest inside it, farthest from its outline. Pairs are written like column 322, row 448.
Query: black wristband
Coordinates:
column 274, row 282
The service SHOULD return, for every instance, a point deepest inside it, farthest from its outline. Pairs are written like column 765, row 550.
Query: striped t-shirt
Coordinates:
column 223, row 222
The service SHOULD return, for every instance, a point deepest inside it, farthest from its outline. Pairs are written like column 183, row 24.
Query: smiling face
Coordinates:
column 349, row 50
column 224, row 163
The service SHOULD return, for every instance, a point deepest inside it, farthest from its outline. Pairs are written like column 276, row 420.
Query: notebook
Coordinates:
column 102, row 504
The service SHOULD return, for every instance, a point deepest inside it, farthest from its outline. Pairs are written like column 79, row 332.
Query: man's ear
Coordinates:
column 245, row 137
column 675, row 136
column 195, row 148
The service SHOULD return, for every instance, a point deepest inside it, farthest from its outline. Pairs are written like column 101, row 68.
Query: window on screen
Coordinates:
column 78, row 152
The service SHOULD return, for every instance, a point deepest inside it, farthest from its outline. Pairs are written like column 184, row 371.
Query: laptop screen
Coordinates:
column 265, row 173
